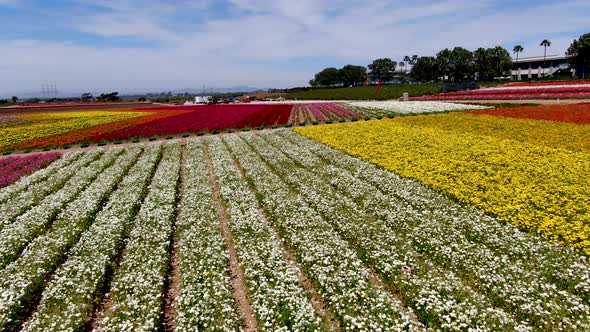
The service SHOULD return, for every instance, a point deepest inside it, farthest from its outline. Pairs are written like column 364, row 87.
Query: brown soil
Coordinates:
column 238, row 278
column 173, row 278
column 317, row 302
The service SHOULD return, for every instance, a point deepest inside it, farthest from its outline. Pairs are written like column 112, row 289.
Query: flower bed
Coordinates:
column 575, row 113
column 536, row 187
column 516, row 92
column 15, row 167
column 382, row 108
column 551, row 83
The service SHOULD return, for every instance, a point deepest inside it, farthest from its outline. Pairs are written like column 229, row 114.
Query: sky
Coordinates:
column 154, row 45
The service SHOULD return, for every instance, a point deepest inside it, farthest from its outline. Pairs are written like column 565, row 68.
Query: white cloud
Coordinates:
column 269, row 43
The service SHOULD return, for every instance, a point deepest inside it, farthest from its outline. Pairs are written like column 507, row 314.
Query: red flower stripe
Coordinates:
column 574, row 113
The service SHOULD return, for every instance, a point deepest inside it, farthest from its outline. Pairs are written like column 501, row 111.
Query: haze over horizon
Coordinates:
column 140, row 46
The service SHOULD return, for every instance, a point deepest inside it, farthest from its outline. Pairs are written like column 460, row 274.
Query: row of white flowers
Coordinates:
column 334, row 267
column 137, row 289
column 542, row 284
column 440, row 298
column 277, row 298
column 37, row 220
column 35, row 193
column 69, row 299
column 22, row 280
column 205, row 299
column 382, row 108
column 27, row 181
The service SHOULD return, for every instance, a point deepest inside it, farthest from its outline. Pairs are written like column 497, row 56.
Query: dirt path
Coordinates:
column 238, row 278
column 317, row 302
column 171, row 288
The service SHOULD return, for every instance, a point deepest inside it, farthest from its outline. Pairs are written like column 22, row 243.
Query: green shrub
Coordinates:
column 102, row 143
column 185, row 135
column 367, row 118
column 200, row 133
column 84, row 145
column 342, row 120
column 354, row 119
column 391, row 115
column 169, row 137
column 135, row 140
column 302, row 123
column 315, row 123
column 215, row 131
column 47, row 149
column 152, row 138
column 118, row 142
column 6, row 153
column 380, row 117
column 329, row 121
column 66, row 147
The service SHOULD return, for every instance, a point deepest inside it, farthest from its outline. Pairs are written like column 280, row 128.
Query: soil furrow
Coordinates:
column 236, row 271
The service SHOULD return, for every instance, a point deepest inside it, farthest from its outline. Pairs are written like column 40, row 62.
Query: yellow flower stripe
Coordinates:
column 48, row 124
column 533, row 186
column 571, row 136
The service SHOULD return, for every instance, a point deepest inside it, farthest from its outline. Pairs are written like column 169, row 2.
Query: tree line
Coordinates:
column 454, row 65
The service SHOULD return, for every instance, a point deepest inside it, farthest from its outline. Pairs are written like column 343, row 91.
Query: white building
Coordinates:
column 539, row 66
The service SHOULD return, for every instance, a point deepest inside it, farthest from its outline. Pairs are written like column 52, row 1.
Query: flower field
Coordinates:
column 12, row 168
column 271, row 231
column 56, row 129
column 575, row 113
column 383, row 108
column 530, row 173
column 540, row 90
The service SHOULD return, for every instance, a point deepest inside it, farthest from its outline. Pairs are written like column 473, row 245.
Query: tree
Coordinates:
column 425, row 69
column 461, row 65
column 352, row 75
column 327, row 77
column 86, row 97
column 579, row 55
column 545, row 43
column 407, row 59
column 109, row 97
column 500, row 61
column 413, row 59
column 443, row 63
column 402, row 65
column 481, row 61
column 14, row 99
column 517, row 49
column 382, row 69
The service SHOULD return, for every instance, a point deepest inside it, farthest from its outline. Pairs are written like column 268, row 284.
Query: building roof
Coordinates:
column 540, row 58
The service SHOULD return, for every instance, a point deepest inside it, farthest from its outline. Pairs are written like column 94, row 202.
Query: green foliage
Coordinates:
column 84, row 145
column 579, row 55
column 315, row 123
column 215, row 131
column 185, row 135
column 382, row 69
column 342, row 120
column 394, row 91
column 200, row 133
column 135, row 140
column 426, row 69
column 327, row 77
column 169, row 137
column 152, row 138
column 351, row 75
column 118, row 142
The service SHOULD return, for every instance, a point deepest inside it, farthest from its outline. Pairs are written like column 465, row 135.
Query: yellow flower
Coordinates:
column 534, row 174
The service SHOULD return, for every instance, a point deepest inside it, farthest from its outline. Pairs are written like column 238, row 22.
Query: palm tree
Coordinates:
column 402, row 64
column 517, row 49
column 545, row 43
column 407, row 59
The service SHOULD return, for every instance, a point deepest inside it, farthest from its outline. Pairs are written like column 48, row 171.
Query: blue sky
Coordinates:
column 155, row 45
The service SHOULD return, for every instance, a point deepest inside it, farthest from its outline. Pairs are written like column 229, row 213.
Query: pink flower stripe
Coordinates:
column 24, row 165
column 576, row 82
column 504, row 96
